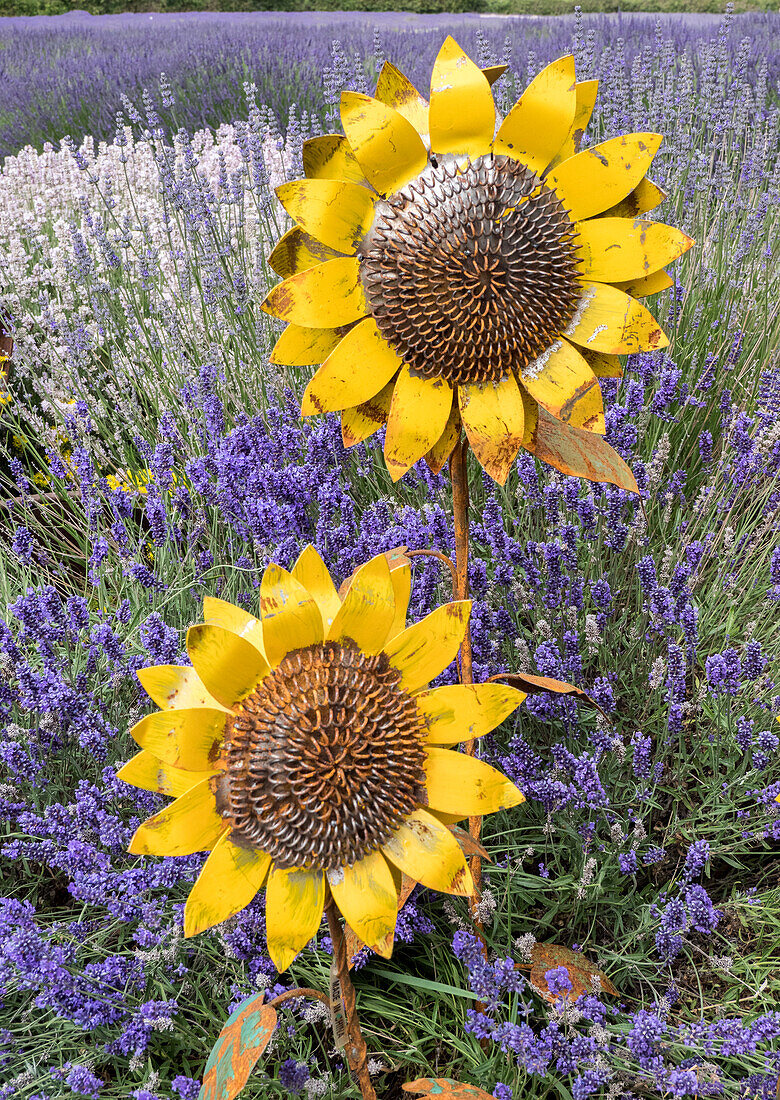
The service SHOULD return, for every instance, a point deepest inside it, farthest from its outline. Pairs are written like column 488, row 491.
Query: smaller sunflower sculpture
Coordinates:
column 448, row 272
column 306, row 753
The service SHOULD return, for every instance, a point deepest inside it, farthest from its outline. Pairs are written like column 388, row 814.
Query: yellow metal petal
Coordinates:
column 615, row 249
column 387, row 146
column 586, row 91
column 442, row 448
column 310, row 571
column 230, row 878
column 144, row 770
column 612, row 322
column 425, row 849
column 457, row 783
column 366, row 895
column 361, row 365
column 294, row 903
column 336, row 213
column 325, row 296
column 462, row 114
column 394, row 89
column 190, row 739
column 446, row 819
column 401, row 580
column 493, row 418
column 597, row 178
column 173, row 686
column 305, row 347
column 361, row 421
column 233, row 618
column 425, row 649
column 329, row 157
column 418, row 415
column 540, row 122
column 368, row 610
column 603, row 366
column 651, row 284
column 563, row 382
column 229, row 666
column 459, row 712
column 296, row 251
column 644, row 198
column 291, row 617
column 190, row 824
column 493, row 72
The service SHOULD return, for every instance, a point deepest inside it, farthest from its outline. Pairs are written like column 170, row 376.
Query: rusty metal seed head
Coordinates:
column 471, row 272
column 324, row 760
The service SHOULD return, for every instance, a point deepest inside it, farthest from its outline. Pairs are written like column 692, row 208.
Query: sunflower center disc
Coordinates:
column 471, row 272
column 325, row 758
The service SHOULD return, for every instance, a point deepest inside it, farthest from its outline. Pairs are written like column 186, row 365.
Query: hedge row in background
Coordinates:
column 501, row 7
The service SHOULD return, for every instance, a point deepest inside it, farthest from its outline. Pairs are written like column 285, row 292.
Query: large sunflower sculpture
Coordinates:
column 307, row 754
column 450, row 272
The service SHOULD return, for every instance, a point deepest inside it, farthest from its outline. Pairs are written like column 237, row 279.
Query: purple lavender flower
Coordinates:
column 293, row 1076
column 186, row 1087
column 558, row 980
column 83, row 1082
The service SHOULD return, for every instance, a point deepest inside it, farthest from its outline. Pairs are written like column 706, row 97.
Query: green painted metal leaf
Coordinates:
column 242, row 1040
column 446, row 1089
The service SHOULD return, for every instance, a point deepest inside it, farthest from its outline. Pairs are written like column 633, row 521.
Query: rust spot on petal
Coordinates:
column 459, row 881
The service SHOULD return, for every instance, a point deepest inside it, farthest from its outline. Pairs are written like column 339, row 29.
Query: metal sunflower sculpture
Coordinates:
column 446, row 271
column 306, row 753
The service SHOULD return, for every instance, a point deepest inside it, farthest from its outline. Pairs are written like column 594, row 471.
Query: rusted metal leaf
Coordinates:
column 396, row 559
column 354, row 943
column 446, row 1089
column 493, row 72
column 469, row 845
column 583, row 975
column 241, row 1042
column 534, row 684
column 577, row 452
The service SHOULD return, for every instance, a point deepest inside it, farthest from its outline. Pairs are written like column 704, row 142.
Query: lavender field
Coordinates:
column 67, row 74
column 150, row 454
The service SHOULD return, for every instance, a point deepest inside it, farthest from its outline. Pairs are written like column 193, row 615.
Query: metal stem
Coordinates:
column 439, row 557
column 460, row 508
column 356, row 1050
column 294, row 994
